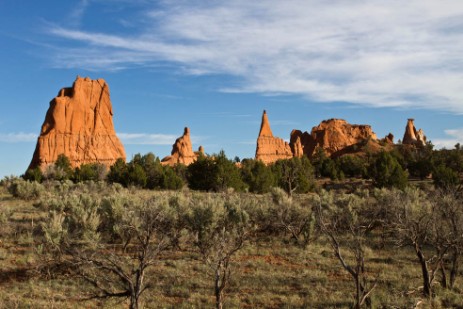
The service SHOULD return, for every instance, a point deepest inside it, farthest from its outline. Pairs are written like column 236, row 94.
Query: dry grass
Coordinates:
column 268, row 273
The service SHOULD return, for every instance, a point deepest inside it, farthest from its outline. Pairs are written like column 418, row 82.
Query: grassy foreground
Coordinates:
column 268, row 272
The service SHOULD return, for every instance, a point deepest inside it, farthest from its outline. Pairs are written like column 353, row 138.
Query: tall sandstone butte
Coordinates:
column 334, row 136
column 79, row 124
column 182, row 151
column 269, row 148
column 412, row 136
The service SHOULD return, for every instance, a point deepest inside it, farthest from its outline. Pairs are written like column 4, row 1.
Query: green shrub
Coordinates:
column 294, row 175
column 445, row 178
column 258, row 176
column 215, row 173
column 351, row 165
column 92, row 171
column 34, row 174
column 170, row 179
column 26, row 190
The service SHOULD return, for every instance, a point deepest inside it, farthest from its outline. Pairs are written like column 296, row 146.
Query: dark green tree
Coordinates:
column 118, row 172
column 294, row 175
column 136, row 175
column 153, row 170
column 228, row 174
column 258, row 176
column 201, row 174
column 386, row 171
column 215, row 173
column 351, row 165
column 325, row 166
column 170, row 179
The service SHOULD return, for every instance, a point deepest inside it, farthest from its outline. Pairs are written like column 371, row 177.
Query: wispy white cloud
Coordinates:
column 75, row 16
column 152, row 139
column 18, row 137
column 374, row 53
column 126, row 138
column 146, row 139
column 455, row 136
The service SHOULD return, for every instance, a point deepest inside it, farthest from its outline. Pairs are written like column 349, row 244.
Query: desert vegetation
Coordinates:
column 378, row 234
column 94, row 243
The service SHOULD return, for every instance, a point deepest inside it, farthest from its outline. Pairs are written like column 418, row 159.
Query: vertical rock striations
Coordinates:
column 269, row 148
column 79, row 125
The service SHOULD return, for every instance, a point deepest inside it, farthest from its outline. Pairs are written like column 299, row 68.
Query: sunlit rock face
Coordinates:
column 182, row 151
column 412, row 136
column 269, row 148
column 79, row 124
column 334, row 136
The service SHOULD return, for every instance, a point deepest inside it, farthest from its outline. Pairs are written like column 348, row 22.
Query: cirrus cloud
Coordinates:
column 379, row 53
column 19, row 137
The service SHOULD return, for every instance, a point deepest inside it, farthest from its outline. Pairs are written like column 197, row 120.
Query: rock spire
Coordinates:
column 182, row 151
column 412, row 136
column 269, row 148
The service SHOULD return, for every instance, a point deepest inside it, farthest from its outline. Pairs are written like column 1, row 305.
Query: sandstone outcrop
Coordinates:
column 389, row 139
column 335, row 136
column 182, row 151
column 269, row 148
column 296, row 147
column 79, row 124
column 412, row 136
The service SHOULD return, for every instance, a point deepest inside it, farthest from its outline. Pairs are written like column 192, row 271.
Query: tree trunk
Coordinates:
column 217, row 288
column 133, row 301
column 357, row 292
column 424, row 270
column 444, row 275
column 454, row 269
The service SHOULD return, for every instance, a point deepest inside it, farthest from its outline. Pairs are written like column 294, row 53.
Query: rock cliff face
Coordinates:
column 412, row 136
column 334, row 136
column 269, row 148
column 79, row 124
column 182, row 151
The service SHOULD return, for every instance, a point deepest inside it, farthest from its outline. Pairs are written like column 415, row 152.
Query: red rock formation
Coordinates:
column 182, row 151
column 200, row 151
column 296, row 147
column 334, row 136
column 389, row 139
column 79, row 124
column 269, row 148
column 412, row 136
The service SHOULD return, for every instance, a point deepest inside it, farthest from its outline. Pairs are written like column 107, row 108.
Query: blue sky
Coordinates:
column 215, row 65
